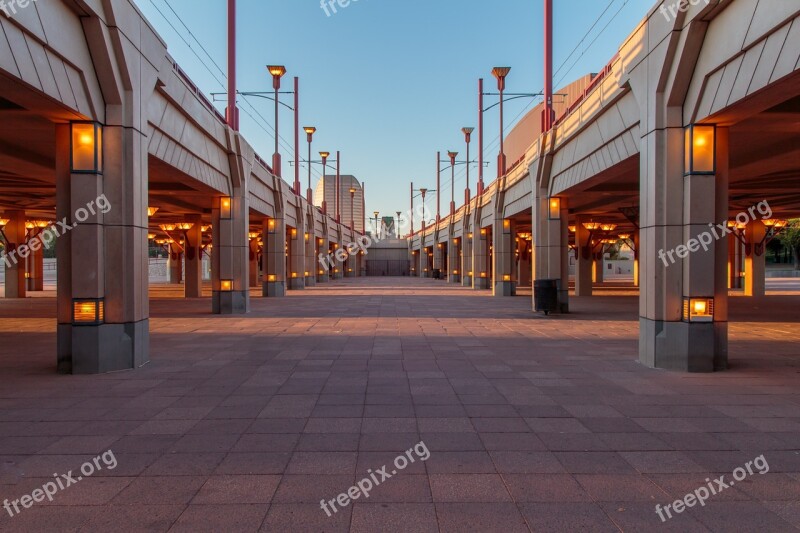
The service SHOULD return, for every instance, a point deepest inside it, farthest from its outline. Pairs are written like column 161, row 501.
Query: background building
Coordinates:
column 326, row 189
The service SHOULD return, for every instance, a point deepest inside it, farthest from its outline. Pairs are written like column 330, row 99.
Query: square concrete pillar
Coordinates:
column 175, row 264
column 439, row 256
column 598, row 265
column 454, row 267
column 339, row 266
column 481, row 269
column 255, row 264
column 504, row 261
column 678, row 212
column 321, row 263
column 230, row 272
column 103, row 301
column 312, row 263
column 550, row 258
column 193, row 253
column 755, row 262
column 35, row 270
column 466, row 258
column 15, row 254
column 274, row 282
column 585, row 265
column 297, row 258
column 636, row 258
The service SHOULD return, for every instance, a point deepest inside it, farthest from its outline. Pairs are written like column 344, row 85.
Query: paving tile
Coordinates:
column 396, row 517
column 497, row 516
column 212, row 518
column 308, row 518
column 556, row 517
column 468, row 488
column 230, row 490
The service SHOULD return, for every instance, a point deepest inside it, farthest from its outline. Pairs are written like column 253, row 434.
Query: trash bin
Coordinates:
column 545, row 295
column 437, row 273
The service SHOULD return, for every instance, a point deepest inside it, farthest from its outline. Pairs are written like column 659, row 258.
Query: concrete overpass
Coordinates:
column 92, row 106
column 718, row 82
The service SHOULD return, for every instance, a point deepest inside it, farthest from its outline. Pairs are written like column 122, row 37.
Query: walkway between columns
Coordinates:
column 294, row 402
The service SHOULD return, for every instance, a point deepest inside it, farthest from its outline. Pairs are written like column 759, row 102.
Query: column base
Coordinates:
column 454, row 278
column 481, row 284
column 311, row 281
column 273, row 289
column 230, row 302
column 683, row 346
column 297, row 284
column 322, row 279
column 505, row 288
column 563, row 299
column 466, row 281
column 102, row 349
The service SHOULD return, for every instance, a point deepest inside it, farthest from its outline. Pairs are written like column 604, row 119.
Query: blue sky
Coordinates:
column 389, row 82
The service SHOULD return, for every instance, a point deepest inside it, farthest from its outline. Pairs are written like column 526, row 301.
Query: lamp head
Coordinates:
column 277, row 71
column 500, row 73
column 467, row 133
column 452, row 156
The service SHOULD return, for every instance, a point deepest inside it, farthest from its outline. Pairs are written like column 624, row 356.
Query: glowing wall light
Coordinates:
column 86, row 148
column 700, row 149
column 88, row 311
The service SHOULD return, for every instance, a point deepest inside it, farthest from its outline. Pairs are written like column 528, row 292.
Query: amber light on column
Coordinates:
column 507, row 226
column 700, row 149
column 555, row 208
column 86, row 148
column 225, row 208
column 88, row 311
column 151, row 211
column 226, row 285
column 698, row 309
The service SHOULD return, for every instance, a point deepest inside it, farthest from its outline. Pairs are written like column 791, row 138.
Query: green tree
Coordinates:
column 790, row 237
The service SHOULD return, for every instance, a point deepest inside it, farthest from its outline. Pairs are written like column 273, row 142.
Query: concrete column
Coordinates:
column 550, row 258
column 16, row 254
column 598, row 265
column 193, row 246
column 102, row 260
column 524, row 268
column 583, row 270
column 735, row 263
column 322, row 248
column 310, row 240
column 636, row 241
column 351, row 264
column 678, row 211
column 454, row 269
column 255, row 265
column 297, row 258
column 439, row 256
column 274, row 282
column 35, row 270
column 504, row 261
column 339, row 265
column 755, row 262
column 481, row 271
column 175, row 264
column 230, row 276
column 466, row 258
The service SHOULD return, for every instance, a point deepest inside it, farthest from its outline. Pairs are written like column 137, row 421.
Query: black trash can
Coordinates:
column 437, row 273
column 545, row 295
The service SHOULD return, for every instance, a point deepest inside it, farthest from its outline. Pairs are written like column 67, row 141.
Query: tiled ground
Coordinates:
column 532, row 423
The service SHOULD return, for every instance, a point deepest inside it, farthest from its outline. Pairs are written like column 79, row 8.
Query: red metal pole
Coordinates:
column 501, row 159
column 480, row 136
column 547, row 123
column 363, row 207
column 438, row 186
column 297, row 135
column 338, row 186
column 232, row 113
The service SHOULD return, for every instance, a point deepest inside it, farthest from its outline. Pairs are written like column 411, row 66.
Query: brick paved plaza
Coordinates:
column 532, row 423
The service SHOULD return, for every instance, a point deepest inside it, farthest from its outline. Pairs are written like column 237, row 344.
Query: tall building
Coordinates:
column 326, row 189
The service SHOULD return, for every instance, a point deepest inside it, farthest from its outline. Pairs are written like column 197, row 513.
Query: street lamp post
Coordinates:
column 453, row 156
column 310, row 130
column 468, row 137
column 324, row 156
column 352, row 210
column 423, row 192
column 501, row 73
column 377, row 228
column 398, row 223
column 277, row 71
